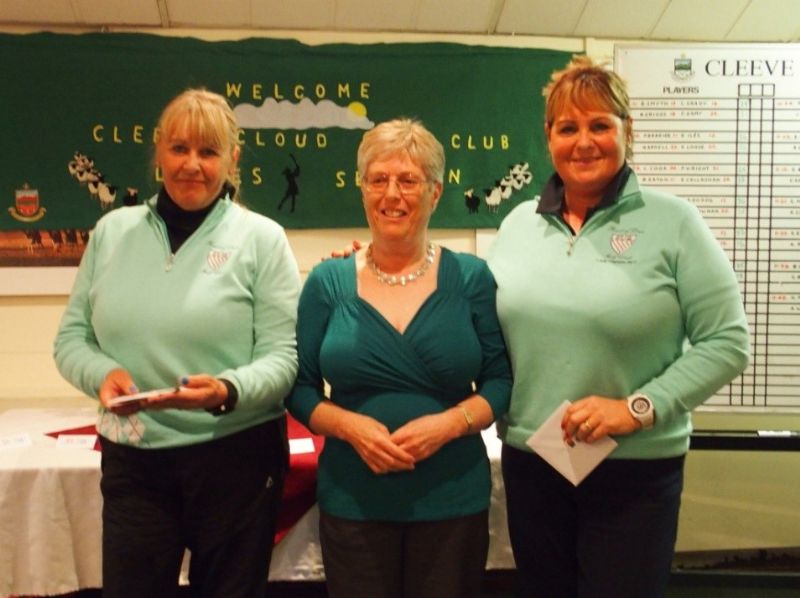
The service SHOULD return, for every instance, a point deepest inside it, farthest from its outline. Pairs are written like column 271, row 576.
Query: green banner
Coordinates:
column 78, row 115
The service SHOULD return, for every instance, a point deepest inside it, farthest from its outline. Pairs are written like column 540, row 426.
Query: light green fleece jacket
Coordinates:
column 642, row 299
column 224, row 304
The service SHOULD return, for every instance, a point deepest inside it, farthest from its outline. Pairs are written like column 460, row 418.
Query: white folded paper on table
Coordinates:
column 573, row 462
column 301, row 446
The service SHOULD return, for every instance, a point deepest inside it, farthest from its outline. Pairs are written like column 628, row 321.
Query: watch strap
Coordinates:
column 230, row 401
column 641, row 408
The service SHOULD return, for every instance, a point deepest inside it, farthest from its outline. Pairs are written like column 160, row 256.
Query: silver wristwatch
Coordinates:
column 641, row 407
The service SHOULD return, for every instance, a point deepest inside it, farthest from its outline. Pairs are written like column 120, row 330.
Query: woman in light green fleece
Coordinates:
column 601, row 283
column 191, row 292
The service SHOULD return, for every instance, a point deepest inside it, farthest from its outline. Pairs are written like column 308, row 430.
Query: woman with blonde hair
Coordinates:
column 406, row 334
column 602, row 284
column 191, row 298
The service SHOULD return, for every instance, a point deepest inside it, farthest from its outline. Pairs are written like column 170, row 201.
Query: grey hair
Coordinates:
column 403, row 136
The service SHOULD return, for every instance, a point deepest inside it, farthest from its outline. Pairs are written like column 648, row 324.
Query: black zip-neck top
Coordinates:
column 182, row 223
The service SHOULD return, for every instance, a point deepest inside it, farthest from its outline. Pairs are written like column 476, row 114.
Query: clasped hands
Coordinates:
column 200, row 391
column 386, row 452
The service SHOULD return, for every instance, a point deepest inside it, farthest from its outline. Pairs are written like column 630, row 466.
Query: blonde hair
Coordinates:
column 398, row 136
column 587, row 85
column 205, row 118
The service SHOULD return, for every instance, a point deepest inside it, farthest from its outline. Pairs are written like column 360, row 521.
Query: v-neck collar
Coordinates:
column 444, row 256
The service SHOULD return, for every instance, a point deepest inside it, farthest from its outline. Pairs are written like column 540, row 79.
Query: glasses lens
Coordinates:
column 408, row 184
column 377, row 184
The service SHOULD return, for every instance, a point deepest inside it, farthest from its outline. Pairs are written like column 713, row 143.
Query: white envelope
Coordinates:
column 573, row 462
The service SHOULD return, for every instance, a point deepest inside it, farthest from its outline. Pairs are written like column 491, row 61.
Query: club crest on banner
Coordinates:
column 26, row 205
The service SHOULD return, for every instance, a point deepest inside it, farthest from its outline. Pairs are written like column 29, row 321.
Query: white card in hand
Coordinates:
column 573, row 462
column 141, row 396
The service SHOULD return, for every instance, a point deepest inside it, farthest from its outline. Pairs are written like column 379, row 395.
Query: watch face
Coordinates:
column 640, row 405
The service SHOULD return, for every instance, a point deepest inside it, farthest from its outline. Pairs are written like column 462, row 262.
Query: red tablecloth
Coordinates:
column 299, row 488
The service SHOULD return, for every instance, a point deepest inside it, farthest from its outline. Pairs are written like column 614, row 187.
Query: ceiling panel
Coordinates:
column 375, row 15
column 296, row 14
column 627, row 19
column 45, row 11
column 767, row 20
column 660, row 20
column 699, row 21
column 214, row 14
column 540, row 17
column 461, row 16
column 103, row 12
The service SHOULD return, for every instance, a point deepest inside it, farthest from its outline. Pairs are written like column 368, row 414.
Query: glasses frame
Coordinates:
column 369, row 187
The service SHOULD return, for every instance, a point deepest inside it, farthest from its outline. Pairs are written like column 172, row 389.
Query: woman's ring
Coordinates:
column 586, row 426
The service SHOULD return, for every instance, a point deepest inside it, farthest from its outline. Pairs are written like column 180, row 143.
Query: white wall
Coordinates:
column 731, row 500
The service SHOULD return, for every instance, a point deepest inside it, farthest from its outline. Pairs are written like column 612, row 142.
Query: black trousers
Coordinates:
column 421, row 559
column 219, row 499
column 612, row 536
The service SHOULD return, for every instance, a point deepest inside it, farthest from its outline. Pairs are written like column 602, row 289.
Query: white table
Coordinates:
column 50, row 511
column 50, row 505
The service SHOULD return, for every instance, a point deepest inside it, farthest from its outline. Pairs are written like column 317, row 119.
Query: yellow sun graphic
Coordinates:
column 358, row 109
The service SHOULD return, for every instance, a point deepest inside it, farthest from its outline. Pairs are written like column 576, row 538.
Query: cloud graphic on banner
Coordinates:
column 303, row 115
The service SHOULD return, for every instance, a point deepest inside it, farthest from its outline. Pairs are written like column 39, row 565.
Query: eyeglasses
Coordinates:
column 406, row 183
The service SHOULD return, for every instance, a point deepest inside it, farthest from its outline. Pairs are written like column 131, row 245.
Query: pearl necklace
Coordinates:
column 392, row 279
